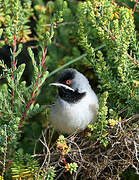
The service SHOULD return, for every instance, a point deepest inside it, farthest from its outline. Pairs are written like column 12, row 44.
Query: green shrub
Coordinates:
column 99, row 39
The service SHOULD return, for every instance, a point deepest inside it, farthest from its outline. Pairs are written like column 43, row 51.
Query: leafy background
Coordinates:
column 98, row 39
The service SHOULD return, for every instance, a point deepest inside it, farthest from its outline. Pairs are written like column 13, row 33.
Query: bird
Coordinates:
column 76, row 104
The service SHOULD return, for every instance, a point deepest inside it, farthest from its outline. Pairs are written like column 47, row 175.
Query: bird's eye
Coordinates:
column 68, row 82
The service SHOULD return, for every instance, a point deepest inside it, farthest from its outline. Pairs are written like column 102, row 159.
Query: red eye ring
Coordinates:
column 68, row 81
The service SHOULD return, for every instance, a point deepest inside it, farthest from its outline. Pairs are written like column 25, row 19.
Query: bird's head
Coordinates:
column 72, row 85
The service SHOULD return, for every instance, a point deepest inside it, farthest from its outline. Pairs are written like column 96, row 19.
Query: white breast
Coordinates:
column 69, row 118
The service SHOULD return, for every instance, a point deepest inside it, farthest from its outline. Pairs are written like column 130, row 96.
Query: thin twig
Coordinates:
column 34, row 89
column 48, row 151
column 136, row 150
column 131, row 118
column 135, row 5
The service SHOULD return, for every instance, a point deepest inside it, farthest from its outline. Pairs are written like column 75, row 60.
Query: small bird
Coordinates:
column 76, row 104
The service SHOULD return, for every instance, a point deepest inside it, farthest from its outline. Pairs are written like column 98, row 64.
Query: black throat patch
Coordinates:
column 70, row 96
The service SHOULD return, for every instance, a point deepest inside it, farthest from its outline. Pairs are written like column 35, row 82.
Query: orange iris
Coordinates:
column 68, row 81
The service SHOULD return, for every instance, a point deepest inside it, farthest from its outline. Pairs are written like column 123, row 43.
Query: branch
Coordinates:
column 34, row 89
column 131, row 118
column 135, row 5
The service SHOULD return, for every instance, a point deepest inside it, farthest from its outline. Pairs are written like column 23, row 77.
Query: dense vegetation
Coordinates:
column 40, row 38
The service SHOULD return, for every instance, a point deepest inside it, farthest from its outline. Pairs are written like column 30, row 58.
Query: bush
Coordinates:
column 97, row 38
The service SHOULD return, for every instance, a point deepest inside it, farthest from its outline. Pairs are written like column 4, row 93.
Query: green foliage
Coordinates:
column 52, row 14
column 14, row 95
column 100, row 128
column 115, row 71
column 14, row 19
column 71, row 167
column 96, row 37
column 50, row 175
column 24, row 166
column 62, row 145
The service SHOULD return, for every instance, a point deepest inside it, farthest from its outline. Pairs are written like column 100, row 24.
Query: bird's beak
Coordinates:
column 61, row 85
